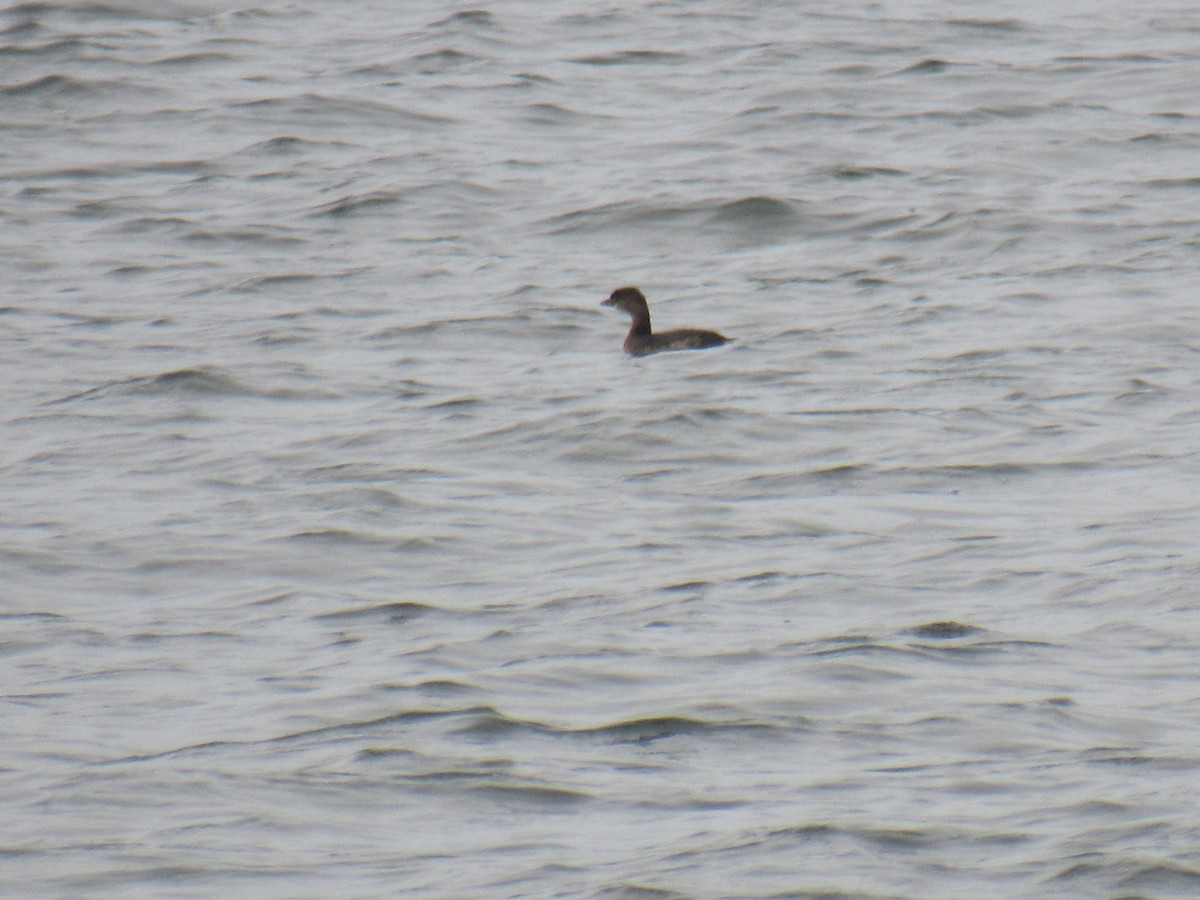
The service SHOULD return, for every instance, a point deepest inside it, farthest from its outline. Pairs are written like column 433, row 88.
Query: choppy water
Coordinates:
column 344, row 554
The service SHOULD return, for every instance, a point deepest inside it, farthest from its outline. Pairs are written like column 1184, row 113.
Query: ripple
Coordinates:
column 944, row 630
column 205, row 381
column 359, row 204
column 396, row 612
column 333, row 112
column 927, row 66
column 472, row 18
column 755, row 210
column 348, row 499
column 630, row 58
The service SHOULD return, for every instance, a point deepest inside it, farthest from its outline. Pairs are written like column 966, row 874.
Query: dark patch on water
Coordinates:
column 394, row 613
column 1189, row 182
column 50, row 84
column 944, row 630
column 770, row 575
column 194, row 59
column 630, row 57
column 659, row 727
column 639, row 892
column 359, row 204
column 766, row 210
column 284, row 144
column 687, row 587
column 447, row 59
column 1000, row 25
column 927, row 67
column 859, row 173
column 535, row 794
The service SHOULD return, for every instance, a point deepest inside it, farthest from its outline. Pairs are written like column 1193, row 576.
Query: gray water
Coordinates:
column 343, row 553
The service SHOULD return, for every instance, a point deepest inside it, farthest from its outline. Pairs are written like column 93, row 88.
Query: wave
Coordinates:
column 112, row 170
column 332, row 538
column 395, row 612
column 760, row 218
column 630, row 57
column 470, row 17
column 879, row 837
column 927, row 66
column 124, row 10
column 66, row 86
column 445, row 60
column 754, row 210
column 934, row 640
column 858, row 173
column 490, row 722
column 453, row 195
column 358, row 204
column 999, row 25
column 313, row 109
column 944, row 630
column 486, row 722
column 204, row 381
column 285, row 144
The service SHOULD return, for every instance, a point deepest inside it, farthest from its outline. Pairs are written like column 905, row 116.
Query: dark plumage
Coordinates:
column 641, row 341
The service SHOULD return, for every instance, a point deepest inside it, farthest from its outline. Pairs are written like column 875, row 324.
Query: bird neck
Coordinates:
column 641, row 321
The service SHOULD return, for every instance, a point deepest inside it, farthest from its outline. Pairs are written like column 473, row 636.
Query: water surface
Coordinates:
column 344, row 553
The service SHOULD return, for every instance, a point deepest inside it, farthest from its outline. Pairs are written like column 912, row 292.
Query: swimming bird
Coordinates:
column 641, row 341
